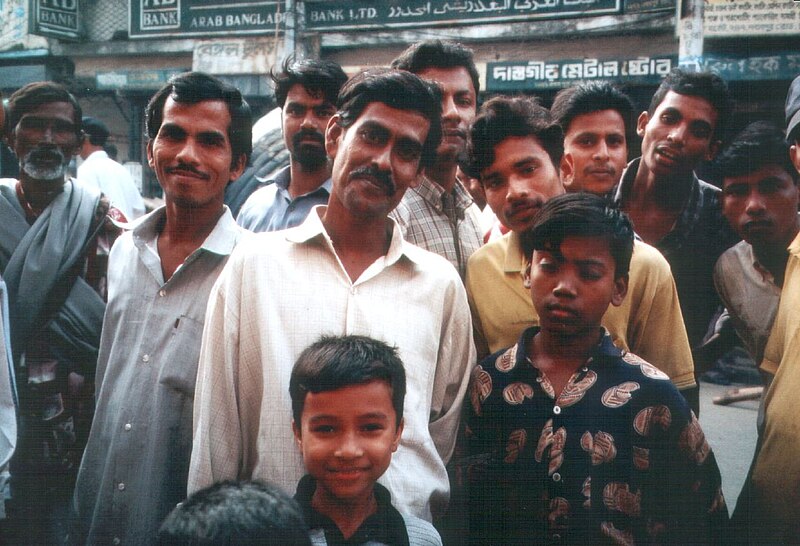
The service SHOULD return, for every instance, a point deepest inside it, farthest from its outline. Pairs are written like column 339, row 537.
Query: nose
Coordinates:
column 601, row 151
column 755, row 204
column 518, row 188
column 349, row 447
column 308, row 122
column 566, row 287
column 382, row 158
column 189, row 153
column 449, row 110
column 677, row 134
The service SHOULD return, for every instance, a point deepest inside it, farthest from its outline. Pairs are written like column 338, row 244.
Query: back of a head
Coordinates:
column 504, row 117
column 96, row 130
column 587, row 98
column 35, row 94
column 759, row 144
column 397, row 89
column 235, row 513
column 194, row 87
column 438, row 54
column 319, row 78
column 792, row 111
column 581, row 215
column 705, row 85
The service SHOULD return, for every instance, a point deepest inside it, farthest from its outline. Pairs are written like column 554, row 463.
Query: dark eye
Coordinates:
column 371, row 136
column 372, row 427
column 491, row 182
column 548, row 266
column 701, row 131
column 213, row 140
column 615, row 141
column 736, row 190
column 295, row 111
column 771, row 185
column 586, row 141
column 669, row 117
column 170, row 132
column 324, row 111
column 322, row 429
column 408, row 151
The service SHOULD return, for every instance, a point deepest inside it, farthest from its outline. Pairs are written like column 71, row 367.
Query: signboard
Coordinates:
column 342, row 15
column 57, row 18
column 536, row 75
column 185, row 18
column 642, row 6
column 750, row 18
column 235, row 56
column 778, row 66
column 147, row 80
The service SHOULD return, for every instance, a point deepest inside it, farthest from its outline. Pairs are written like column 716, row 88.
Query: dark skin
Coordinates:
column 559, row 357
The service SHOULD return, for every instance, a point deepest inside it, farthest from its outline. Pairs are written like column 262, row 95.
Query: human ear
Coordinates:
column 641, row 123
column 397, row 434
column 567, row 169
column 794, row 155
column 620, row 289
column 713, row 148
column 150, row 160
column 333, row 133
column 237, row 167
column 526, row 276
column 298, row 438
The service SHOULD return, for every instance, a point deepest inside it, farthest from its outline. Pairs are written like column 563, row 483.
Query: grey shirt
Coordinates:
column 271, row 208
column 135, row 466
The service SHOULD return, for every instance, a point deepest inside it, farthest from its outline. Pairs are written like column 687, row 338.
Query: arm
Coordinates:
column 455, row 360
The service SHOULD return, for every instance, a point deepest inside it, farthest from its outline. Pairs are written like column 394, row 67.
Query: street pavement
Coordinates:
column 731, row 432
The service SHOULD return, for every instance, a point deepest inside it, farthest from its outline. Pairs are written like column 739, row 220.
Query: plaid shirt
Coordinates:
column 700, row 235
column 448, row 224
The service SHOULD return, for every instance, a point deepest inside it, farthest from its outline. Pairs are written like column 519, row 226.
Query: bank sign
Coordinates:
column 186, row 18
column 56, row 18
column 328, row 15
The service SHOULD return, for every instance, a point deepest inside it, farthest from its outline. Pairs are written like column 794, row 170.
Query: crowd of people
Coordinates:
column 362, row 355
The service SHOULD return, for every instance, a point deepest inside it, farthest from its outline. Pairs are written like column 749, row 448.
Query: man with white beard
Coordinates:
column 54, row 240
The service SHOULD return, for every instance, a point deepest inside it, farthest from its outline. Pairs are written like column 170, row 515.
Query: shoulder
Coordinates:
column 653, row 385
column 421, row 532
column 493, row 252
column 260, row 198
column 430, row 263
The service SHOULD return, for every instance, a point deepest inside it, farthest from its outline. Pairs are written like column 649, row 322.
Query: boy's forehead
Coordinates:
column 338, row 401
column 579, row 248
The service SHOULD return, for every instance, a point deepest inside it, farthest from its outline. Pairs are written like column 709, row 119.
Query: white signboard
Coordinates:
column 236, row 56
column 750, row 18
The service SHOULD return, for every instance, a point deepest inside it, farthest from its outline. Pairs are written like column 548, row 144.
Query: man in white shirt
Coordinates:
column 101, row 172
column 345, row 270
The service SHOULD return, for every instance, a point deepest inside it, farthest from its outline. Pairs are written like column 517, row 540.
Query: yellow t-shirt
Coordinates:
column 776, row 475
column 648, row 323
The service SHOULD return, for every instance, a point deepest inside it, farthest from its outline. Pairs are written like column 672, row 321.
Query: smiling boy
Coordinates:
column 347, row 405
column 582, row 442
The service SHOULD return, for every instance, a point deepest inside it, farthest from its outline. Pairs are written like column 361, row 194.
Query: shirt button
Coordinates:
column 121, row 486
column 162, row 293
column 557, row 410
column 116, row 541
column 538, row 379
column 556, row 477
column 146, row 358
column 584, row 369
column 556, row 537
column 128, row 426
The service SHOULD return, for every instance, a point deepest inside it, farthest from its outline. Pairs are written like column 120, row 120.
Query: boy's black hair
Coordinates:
column 706, row 85
column 336, row 362
column 195, row 87
column 322, row 79
column 397, row 89
column 759, row 144
column 438, row 54
column 35, row 94
column 228, row 513
column 504, row 117
column 581, row 215
column 587, row 98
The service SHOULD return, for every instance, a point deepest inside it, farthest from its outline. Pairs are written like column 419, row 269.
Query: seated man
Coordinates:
column 648, row 322
column 584, row 443
column 347, row 405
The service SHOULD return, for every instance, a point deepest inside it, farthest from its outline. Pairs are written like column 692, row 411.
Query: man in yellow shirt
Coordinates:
column 768, row 513
column 648, row 323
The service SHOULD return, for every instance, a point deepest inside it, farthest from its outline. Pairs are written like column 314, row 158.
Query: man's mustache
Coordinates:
column 308, row 133
column 382, row 178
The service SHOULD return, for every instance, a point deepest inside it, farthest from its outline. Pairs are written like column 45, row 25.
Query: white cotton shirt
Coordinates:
column 101, row 172
column 278, row 294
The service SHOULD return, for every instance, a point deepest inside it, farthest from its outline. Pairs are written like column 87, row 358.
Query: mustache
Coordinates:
column 45, row 153
column 308, row 133
column 185, row 167
column 383, row 178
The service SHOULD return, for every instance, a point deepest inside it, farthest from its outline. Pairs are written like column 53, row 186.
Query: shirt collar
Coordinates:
column 605, row 347
column 280, row 178
column 97, row 155
column 432, row 193
column 283, row 177
column 515, row 259
column 221, row 240
column 313, row 228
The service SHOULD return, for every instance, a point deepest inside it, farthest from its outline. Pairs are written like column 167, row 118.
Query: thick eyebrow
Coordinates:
column 365, row 416
column 591, row 262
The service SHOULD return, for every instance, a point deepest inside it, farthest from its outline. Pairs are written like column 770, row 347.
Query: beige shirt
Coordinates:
column 648, row 323
column 750, row 295
column 279, row 293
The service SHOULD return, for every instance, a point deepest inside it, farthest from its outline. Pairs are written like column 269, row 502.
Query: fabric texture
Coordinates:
column 648, row 322
column 700, row 235
column 253, row 334
column 8, row 399
column 100, row 172
column 775, row 501
column 749, row 293
column 272, row 208
column 616, row 458
column 136, row 462
column 385, row 526
column 448, row 224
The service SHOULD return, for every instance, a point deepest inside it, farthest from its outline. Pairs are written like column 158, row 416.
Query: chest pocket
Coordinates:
column 179, row 365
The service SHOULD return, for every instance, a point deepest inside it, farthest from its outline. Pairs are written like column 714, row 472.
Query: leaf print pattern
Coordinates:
column 647, row 369
column 516, row 393
column 641, row 458
column 480, row 388
column 556, row 442
column 573, row 392
column 586, row 491
column 515, row 445
column 601, row 446
column 559, row 512
column 507, row 361
column 617, row 496
column 621, row 538
column 693, row 442
column 650, row 416
column 619, row 395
